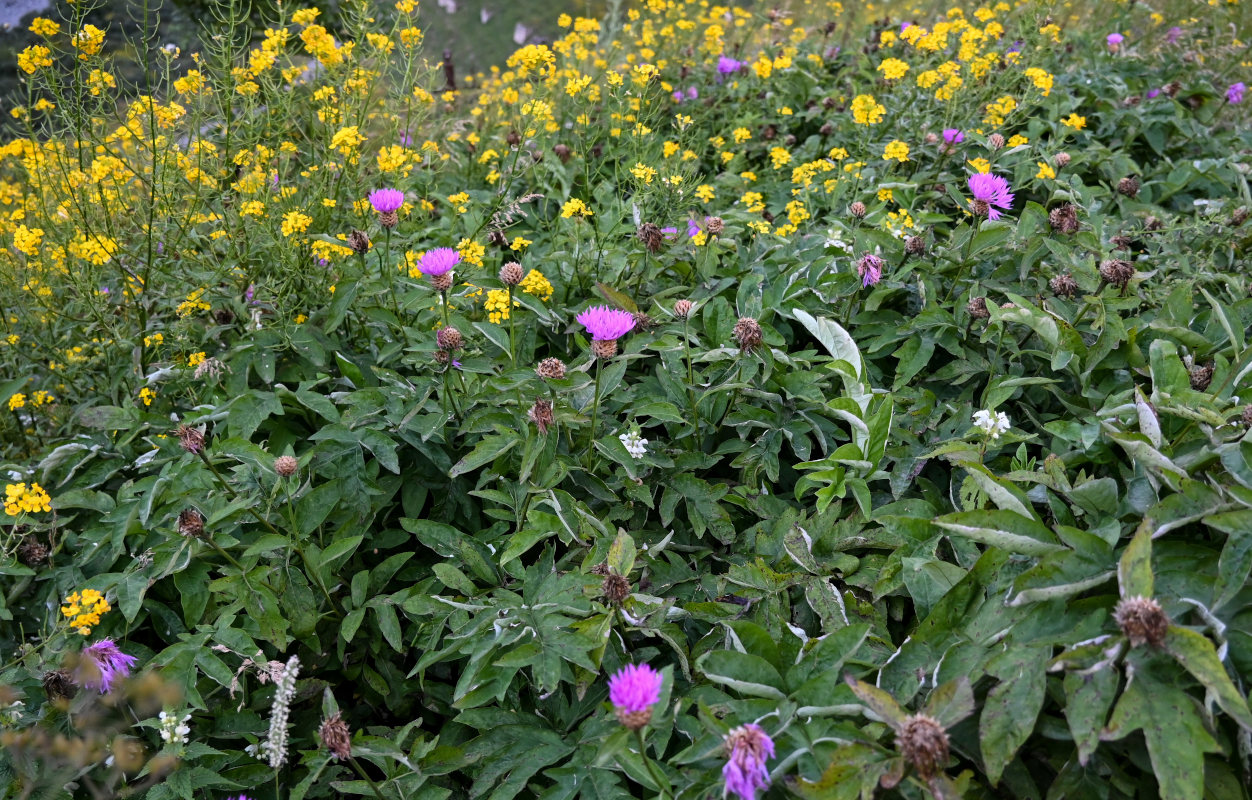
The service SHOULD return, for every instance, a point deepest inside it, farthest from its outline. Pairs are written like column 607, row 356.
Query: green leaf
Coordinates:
column 454, row 579
column 1199, row 657
column 1004, row 529
column 1134, row 570
column 1011, row 708
column 837, row 341
column 1088, row 697
column 622, row 554
column 743, row 672
column 951, row 702
column 879, row 702
column 619, row 299
column 484, row 452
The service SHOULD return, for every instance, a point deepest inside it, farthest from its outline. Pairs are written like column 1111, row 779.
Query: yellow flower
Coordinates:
column 866, row 110
column 1074, row 121
column 34, row 57
column 1045, row 171
column 295, row 222
column 705, row 193
column 497, row 305
column 779, row 157
column 461, row 201
column 1041, row 79
column 575, row 207
column 85, row 609
column 897, row 150
column 885, row 195
column 893, row 68
column 535, row 283
column 519, row 243
column 1018, row 140
column 305, row 16
column 28, row 240
column 346, row 140
column 146, row 394
column 17, row 401
column 18, row 498
column 195, row 359
column 471, row 252
column 643, row 173
column 192, row 304
column 88, row 41
column 42, row 26
column 980, row 165
column 741, row 135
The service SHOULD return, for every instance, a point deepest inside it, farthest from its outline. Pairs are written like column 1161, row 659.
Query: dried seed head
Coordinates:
column 190, row 523
column 541, row 414
column 915, row 245
column 977, row 308
column 1142, row 620
column 1064, row 285
column 190, row 439
column 562, row 152
column 389, row 219
column 449, row 338
column 995, row 141
column 359, row 241
column 932, row 138
column 1061, row 160
column 1239, row 216
column 59, row 684
column 1152, row 224
column 714, row 225
column 512, row 274
column 1201, row 377
column 441, row 356
column 600, row 569
column 747, row 333
column 1064, row 219
column 1121, row 242
column 1173, row 88
column 857, row 209
column 286, row 466
column 336, row 736
column 643, row 322
column 924, row 743
column 1117, row 272
column 682, row 308
column 223, row 316
column 498, row 239
column 1247, row 416
column 650, row 234
column 32, row 551
column 615, row 589
column 1128, row 186
column 604, row 348
column 441, row 283
column 826, row 129
column 551, row 369
column 514, row 138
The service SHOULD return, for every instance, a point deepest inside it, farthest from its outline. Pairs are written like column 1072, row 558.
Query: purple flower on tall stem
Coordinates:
column 633, row 690
column 1234, row 94
column 1173, row 35
column 439, row 261
column 1153, row 94
column 101, row 664
column 748, row 747
column 870, row 269
column 1114, row 39
column 953, row 136
column 606, row 324
column 386, row 201
column 727, row 65
column 990, row 192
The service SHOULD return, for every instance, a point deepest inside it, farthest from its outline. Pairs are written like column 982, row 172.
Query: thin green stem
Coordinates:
column 595, row 414
column 365, row 777
column 512, row 338
column 647, row 762
column 691, row 385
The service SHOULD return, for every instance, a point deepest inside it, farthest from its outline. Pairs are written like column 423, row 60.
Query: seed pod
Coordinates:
column 1064, row 219
column 915, row 245
column 190, row 523
column 1117, row 272
column 1129, row 186
column 604, row 348
column 615, row 589
column 336, row 736
column 359, row 241
column 1201, row 377
column 541, row 414
column 650, row 234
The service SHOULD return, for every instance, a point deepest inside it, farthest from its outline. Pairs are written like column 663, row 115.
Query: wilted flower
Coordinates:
column 977, row 308
column 190, row 439
column 449, row 338
column 190, row 523
column 923, row 743
column 748, row 747
column 990, row 193
column 1201, row 377
column 747, row 333
column 991, row 423
column 359, row 241
column 615, row 589
column 1142, row 620
column 101, row 664
column 869, row 268
column 651, row 236
column 551, row 369
column 1064, row 219
column 58, row 684
column 682, row 308
column 1117, row 272
column 336, row 736
column 1128, row 186
column 633, row 690
column 1064, row 285
column 541, row 414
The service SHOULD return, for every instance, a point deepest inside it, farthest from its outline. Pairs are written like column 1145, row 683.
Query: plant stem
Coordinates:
column 691, row 383
column 512, row 322
column 595, row 415
column 647, row 762
column 365, row 777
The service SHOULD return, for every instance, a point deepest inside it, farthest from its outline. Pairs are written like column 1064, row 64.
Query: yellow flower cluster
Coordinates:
column 497, row 305
column 897, row 150
column 893, row 68
column 34, row 57
column 536, row 284
column 19, row 498
column 193, row 303
column 295, row 222
column 27, row 240
column 85, row 609
column 866, row 110
column 575, row 207
column 89, row 41
column 471, row 252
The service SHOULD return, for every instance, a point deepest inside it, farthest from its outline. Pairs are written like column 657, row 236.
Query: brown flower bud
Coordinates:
column 977, row 308
column 1117, row 272
column 449, row 338
column 995, row 141
column 551, row 369
column 604, row 348
column 826, row 129
column 1152, row 223
column 682, row 308
column 190, row 439
column 511, row 274
column 1239, row 216
column 442, row 283
column 359, row 241
column 1201, row 377
column 286, row 466
column 643, row 322
column 513, row 138
column 336, row 736
column 1064, row 219
column 1142, row 620
column 541, row 414
column 915, row 245
column 1061, row 160
column 1064, row 285
column 562, row 152
column 650, row 234
column 389, row 219
column 442, row 356
column 32, row 551
column 932, row 138
column 1128, row 186
column 1173, row 88
column 615, row 589
column 924, row 743
column 769, row 132
column 747, row 333
column 190, row 523
column 600, row 569
column 59, row 685
column 634, row 720
column 857, row 209
column 714, row 225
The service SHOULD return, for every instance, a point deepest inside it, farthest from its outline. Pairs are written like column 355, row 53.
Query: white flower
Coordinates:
column 173, row 729
column 634, row 445
column 274, row 748
column 991, row 423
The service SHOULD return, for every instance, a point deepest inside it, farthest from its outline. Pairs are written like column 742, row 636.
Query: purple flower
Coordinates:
column 1017, row 47
column 1153, row 94
column 635, row 688
column 1173, row 34
column 727, row 65
column 1114, row 39
column 748, row 747
column 990, row 193
column 904, row 25
column 101, row 664
column 386, row 201
column 439, row 261
column 671, row 231
column 693, row 93
column 953, row 135
column 870, row 269
column 248, row 295
column 1234, row 95
column 692, row 227
column 606, row 325
column 678, row 95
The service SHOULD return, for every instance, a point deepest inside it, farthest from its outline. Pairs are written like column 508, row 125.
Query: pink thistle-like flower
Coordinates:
column 953, row 136
column 439, row 261
column 870, row 269
column 606, row 324
column 990, row 192
column 101, row 664
column 386, row 201
column 1114, row 39
column 748, row 747
column 633, row 690
column 1234, row 94
column 727, row 65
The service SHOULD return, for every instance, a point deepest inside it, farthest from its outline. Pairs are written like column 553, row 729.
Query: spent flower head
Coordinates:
column 748, row 747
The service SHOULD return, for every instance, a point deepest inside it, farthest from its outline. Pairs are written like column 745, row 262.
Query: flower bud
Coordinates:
column 714, row 225
column 562, row 152
column 1117, row 272
column 1064, row 219
column 857, row 209
column 615, row 589
column 389, row 219
column 747, row 333
column 995, row 141
column 551, row 369
column 449, row 338
column 1061, row 160
column 604, row 348
column 190, row 439
column 1201, row 377
column 511, row 274
column 1142, row 621
column 650, row 234
column 682, row 308
column 286, row 466
column 190, row 523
